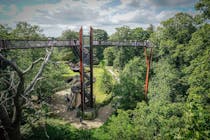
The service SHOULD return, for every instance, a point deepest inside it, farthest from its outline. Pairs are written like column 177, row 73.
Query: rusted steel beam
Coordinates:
column 148, row 61
column 81, row 71
column 91, row 66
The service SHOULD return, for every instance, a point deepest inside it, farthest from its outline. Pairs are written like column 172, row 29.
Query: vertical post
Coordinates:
column 91, row 66
column 81, row 70
column 148, row 59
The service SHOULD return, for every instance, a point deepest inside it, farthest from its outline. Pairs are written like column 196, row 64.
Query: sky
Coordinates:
column 55, row 16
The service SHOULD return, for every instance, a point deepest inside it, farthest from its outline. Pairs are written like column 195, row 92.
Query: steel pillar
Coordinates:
column 91, row 67
column 148, row 61
column 81, row 71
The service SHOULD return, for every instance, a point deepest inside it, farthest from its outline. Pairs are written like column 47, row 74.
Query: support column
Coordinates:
column 91, row 67
column 148, row 60
column 81, row 71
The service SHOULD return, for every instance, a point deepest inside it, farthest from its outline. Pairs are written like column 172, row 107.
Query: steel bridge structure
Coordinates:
column 79, row 47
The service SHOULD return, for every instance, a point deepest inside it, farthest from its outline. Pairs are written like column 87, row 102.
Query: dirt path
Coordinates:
column 59, row 108
column 113, row 74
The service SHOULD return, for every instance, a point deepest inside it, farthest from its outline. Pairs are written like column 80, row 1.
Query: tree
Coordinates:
column 109, row 55
column 173, row 39
column 14, row 80
column 124, row 54
column 204, row 7
column 131, row 85
column 99, row 35
column 15, row 96
column 150, row 29
column 26, row 31
column 67, row 53
column 138, row 34
column 198, row 114
column 118, row 127
column 121, row 58
column 5, row 32
column 179, row 28
column 69, row 34
column 106, row 82
column 122, row 34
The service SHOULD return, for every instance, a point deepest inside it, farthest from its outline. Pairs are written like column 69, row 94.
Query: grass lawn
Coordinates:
column 68, row 72
column 97, row 90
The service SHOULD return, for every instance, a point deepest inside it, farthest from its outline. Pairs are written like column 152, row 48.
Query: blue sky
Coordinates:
column 55, row 16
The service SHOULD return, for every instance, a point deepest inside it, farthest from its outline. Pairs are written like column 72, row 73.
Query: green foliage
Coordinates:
column 100, row 35
column 98, row 89
column 69, row 34
column 122, row 57
column 26, row 31
column 178, row 106
column 122, row 33
column 118, row 57
column 172, row 40
column 118, row 127
column 53, row 78
column 109, row 55
column 67, row 54
column 98, row 54
column 204, row 7
column 179, row 90
column 139, row 34
column 106, row 82
column 158, row 119
column 4, row 32
column 130, row 87
column 197, row 114
column 150, row 29
column 179, row 28
column 56, row 130
column 166, row 83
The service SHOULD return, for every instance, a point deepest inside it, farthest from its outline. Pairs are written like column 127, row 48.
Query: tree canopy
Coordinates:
column 178, row 103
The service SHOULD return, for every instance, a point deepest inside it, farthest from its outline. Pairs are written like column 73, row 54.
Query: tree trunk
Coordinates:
column 12, row 129
column 5, row 122
column 14, row 132
column 16, row 119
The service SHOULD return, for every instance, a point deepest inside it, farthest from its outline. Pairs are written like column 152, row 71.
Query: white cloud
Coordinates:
column 126, row 17
column 165, row 14
column 172, row 3
column 70, row 14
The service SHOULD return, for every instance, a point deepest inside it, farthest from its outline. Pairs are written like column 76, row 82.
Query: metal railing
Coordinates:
column 28, row 44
